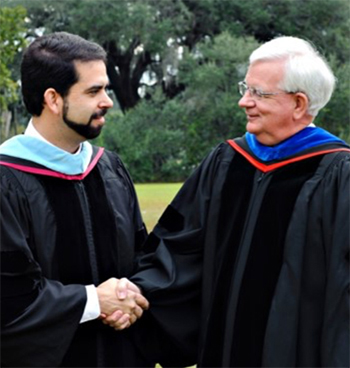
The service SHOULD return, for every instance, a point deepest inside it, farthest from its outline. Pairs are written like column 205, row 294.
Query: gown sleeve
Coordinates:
column 311, row 300
column 38, row 316
column 324, row 301
column 335, row 197
column 170, row 272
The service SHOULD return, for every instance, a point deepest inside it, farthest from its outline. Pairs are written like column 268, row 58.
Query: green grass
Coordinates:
column 154, row 198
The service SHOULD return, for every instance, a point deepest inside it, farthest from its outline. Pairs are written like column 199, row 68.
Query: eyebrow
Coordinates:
column 97, row 87
column 94, row 88
column 250, row 86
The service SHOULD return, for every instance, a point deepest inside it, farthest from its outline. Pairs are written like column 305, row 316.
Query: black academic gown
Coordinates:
column 249, row 265
column 57, row 235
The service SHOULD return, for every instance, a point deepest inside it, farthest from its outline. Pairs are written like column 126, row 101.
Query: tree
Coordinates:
column 326, row 23
column 335, row 116
column 11, row 42
column 164, row 139
column 210, row 110
column 134, row 33
column 150, row 139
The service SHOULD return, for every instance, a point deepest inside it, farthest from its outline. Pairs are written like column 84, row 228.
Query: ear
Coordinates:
column 53, row 101
column 301, row 105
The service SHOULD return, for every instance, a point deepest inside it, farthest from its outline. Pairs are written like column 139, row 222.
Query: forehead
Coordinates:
column 267, row 73
column 91, row 72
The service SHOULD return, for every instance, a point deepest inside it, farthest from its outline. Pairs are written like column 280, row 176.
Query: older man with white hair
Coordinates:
column 250, row 262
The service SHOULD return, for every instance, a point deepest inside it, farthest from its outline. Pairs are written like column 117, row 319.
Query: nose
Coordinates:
column 246, row 100
column 107, row 102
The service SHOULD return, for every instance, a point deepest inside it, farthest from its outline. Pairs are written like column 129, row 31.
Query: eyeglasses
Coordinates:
column 254, row 92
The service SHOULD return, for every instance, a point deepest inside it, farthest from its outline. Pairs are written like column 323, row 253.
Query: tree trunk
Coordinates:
column 124, row 79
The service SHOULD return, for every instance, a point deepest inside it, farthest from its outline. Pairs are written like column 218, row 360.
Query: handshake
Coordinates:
column 121, row 303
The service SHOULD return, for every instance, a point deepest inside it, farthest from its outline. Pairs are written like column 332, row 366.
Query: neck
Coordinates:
column 55, row 133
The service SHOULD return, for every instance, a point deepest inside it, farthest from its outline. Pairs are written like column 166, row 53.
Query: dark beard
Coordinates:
column 85, row 130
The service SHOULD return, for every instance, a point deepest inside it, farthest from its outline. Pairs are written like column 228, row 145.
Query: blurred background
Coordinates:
column 173, row 67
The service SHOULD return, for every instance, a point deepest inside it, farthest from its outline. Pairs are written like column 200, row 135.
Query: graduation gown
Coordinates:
column 58, row 233
column 249, row 264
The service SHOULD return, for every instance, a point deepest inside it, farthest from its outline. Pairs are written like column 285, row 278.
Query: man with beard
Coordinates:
column 70, row 219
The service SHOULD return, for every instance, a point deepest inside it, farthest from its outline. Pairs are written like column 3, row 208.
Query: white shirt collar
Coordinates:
column 32, row 132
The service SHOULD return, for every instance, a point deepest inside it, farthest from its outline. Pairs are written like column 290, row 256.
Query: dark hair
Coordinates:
column 49, row 63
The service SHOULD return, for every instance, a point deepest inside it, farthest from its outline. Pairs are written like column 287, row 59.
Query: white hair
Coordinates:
column 305, row 69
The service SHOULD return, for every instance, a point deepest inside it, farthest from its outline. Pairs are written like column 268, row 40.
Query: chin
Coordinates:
column 252, row 128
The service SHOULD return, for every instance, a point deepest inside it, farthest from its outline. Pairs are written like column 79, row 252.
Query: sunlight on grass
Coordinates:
column 154, row 198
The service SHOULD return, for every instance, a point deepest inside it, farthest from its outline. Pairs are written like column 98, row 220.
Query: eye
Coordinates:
column 93, row 92
column 257, row 92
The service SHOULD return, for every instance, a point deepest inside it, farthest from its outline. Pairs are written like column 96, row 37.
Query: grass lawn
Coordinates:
column 154, row 199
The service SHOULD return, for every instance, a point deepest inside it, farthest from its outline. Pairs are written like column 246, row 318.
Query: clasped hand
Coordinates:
column 121, row 303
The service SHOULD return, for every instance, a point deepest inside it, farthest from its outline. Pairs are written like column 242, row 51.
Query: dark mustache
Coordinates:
column 99, row 114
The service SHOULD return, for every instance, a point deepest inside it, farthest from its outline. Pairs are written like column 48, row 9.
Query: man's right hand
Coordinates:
column 121, row 303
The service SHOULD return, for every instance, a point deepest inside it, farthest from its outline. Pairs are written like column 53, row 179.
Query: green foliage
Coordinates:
column 134, row 33
column 162, row 139
column 11, row 42
column 335, row 116
column 150, row 140
column 209, row 102
column 108, row 20
column 325, row 23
